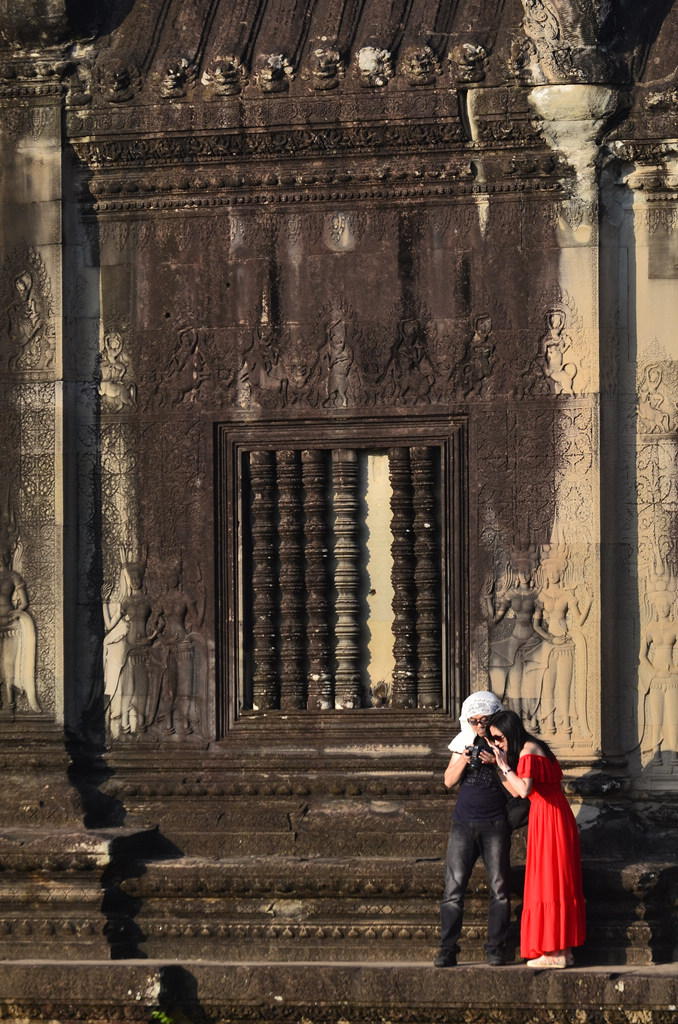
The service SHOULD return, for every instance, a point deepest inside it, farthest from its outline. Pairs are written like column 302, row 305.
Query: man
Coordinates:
column 480, row 828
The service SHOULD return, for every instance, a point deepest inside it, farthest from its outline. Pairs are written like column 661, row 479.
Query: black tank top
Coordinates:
column 481, row 796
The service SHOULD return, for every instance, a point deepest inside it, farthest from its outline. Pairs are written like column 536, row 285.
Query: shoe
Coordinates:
column 496, row 958
column 446, row 958
column 548, row 961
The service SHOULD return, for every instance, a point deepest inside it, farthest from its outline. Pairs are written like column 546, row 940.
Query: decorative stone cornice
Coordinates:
column 300, row 143
column 174, row 200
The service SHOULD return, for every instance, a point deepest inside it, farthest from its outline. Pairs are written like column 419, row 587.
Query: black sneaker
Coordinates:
column 495, row 958
column 446, row 958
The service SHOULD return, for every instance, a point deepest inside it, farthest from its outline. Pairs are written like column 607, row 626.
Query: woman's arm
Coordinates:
column 515, row 785
column 455, row 769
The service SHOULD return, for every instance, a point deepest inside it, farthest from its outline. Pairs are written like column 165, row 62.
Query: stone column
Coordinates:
column 264, row 585
column 571, row 118
column 347, row 579
column 317, row 603
column 427, row 579
column 640, row 284
column 291, row 552
column 402, row 576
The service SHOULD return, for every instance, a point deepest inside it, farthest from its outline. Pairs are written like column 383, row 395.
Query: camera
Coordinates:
column 475, row 764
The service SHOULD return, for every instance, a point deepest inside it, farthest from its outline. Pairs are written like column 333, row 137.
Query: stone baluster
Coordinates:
column 427, row 578
column 320, row 689
column 292, row 588
column 347, row 579
column 264, row 587
column 402, row 577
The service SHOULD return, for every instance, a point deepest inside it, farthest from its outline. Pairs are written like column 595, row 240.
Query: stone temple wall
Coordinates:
column 305, row 305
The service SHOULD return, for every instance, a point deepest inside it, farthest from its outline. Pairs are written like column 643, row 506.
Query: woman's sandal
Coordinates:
column 548, row 961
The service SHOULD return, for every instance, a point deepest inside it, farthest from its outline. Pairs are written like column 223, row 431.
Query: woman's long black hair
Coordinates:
column 510, row 724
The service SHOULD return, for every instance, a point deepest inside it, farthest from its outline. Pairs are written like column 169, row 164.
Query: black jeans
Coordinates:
column 490, row 840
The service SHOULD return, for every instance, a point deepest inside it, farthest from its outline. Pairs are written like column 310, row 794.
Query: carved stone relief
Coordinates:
column 17, row 628
column 115, row 388
column 273, row 73
column 119, row 513
column 468, row 62
column 154, row 656
column 118, row 80
column 327, row 69
column 479, row 359
column 658, row 398
column 28, row 310
column 419, row 65
column 539, row 665
column 225, row 76
column 375, row 67
column 185, row 370
column 514, row 665
column 658, row 672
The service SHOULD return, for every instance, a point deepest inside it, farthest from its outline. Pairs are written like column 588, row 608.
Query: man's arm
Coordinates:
column 455, row 769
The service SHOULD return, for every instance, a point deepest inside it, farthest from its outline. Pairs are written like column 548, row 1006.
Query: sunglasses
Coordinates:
column 477, row 721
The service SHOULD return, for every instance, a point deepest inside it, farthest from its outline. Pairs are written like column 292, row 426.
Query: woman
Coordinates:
column 553, row 918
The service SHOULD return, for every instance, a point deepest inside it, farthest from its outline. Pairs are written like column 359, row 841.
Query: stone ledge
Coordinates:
column 350, row 993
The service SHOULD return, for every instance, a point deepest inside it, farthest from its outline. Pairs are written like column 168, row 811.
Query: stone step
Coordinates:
column 56, row 885
column 320, row 825
column 296, row 908
column 309, row 908
column 127, row 992
column 348, row 842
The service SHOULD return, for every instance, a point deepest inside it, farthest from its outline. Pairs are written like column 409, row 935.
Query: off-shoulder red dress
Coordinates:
column 554, row 915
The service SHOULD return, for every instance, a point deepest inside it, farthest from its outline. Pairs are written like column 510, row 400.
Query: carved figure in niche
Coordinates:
column 126, row 649
column 185, row 371
column 274, row 73
column 226, row 76
column 410, row 365
column 479, row 359
column 271, row 382
column 419, row 65
column 552, row 348
column 658, row 674
column 375, row 67
column 327, row 70
column 376, row 384
column 17, row 629
column 302, row 369
column 113, row 389
column 658, row 409
column 175, row 660
column 558, row 617
column 516, row 664
column 339, row 358
column 24, row 323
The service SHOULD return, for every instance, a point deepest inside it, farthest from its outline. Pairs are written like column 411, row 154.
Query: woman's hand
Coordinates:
column 500, row 758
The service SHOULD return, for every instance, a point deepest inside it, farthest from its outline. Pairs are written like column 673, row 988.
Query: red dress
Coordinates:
column 553, row 914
